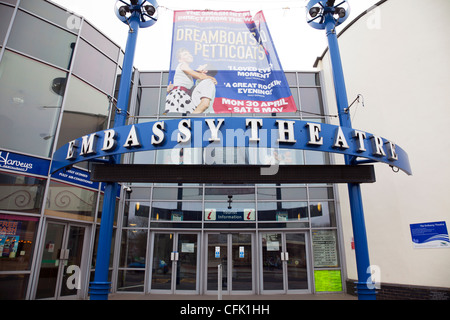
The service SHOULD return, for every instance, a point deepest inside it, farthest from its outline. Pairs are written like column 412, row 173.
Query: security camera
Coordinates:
column 127, row 189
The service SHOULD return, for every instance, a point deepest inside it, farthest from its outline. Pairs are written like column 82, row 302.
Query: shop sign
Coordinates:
column 257, row 133
column 24, row 164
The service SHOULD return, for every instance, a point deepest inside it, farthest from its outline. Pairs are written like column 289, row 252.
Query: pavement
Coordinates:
column 185, row 297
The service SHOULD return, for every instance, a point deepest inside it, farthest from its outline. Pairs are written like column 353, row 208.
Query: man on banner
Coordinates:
column 225, row 62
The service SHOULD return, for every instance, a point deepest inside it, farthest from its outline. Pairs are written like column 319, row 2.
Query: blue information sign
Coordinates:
column 430, row 235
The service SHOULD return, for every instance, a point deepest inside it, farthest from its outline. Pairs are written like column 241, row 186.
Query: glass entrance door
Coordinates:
column 234, row 252
column 63, row 248
column 284, row 262
column 175, row 263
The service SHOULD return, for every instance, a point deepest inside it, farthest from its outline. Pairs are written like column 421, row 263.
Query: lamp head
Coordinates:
column 314, row 11
column 123, row 10
column 151, row 10
column 145, row 11
column 340, row 12
column 318, row 12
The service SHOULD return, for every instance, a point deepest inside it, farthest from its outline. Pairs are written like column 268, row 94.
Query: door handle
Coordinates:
column 64, row 254
column 174, row 256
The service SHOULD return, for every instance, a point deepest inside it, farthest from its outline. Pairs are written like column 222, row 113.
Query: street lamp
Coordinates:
column 326, row 15
column 137, row 14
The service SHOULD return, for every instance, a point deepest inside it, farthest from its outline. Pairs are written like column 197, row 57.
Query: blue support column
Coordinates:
column 100, row 287
column 365, row 288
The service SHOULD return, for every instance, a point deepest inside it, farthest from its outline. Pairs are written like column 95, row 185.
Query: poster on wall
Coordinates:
column 430, row 235
column 225, row 62
column 325, row 248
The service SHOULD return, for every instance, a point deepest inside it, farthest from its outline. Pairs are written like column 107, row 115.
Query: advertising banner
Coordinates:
column 225, row 62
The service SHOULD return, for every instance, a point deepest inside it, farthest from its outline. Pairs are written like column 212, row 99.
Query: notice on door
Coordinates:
column 324, row 248
column 273, row 245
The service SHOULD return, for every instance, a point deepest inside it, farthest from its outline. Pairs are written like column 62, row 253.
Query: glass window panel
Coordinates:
column 5, row 18
column 311, row 100
column 322, row 214
column 282, row 194
column 315, row 157
column 10, row 1
column 144, row 157
column 133, row 248
column 179, row 156
column 100, row 41
column 53, row 13
column 165, row 79
column 42, row 40
column 136, row 214
column 94, row 67
column 139, row 193
column 177, row 193
column 162, row 101
column 176, row 211
column 283, row 211
column 29, row 108
column 308, row 79
column 86, row 110
column 266, row 156
column 149, row 102
column 295, row 95
column 151, row 79
column 13, row 286
column 17, row 239
column 320, row 193
column 291, row 78
column 21, row 193
column 67, row 201
column 224, row 193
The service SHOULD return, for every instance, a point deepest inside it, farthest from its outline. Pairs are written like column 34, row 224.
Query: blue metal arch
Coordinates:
column 234, row 132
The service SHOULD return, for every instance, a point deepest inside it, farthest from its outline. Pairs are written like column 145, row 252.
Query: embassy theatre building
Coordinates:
column 273, row 232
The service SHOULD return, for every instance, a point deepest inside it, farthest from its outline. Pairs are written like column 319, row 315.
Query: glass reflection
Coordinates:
column 29, row 108
column 91, row 65
column 21, row 193
column 52, row 13
column 136, row 214
column 42, row 40
column 86, row 110
column 133, row 248
column 176, row 211
column 67, row 201
column 5, row 18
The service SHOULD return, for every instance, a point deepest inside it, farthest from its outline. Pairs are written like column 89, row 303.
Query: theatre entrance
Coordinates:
column 284, row 262
column 174, row 263
column 235, row 253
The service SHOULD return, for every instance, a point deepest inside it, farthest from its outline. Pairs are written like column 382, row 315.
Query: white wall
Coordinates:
column 398, row 57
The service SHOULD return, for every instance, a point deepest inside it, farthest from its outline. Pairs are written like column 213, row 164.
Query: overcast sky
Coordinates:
column 297, row 44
